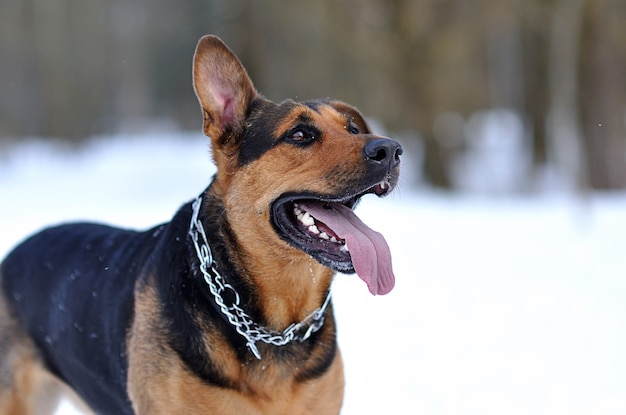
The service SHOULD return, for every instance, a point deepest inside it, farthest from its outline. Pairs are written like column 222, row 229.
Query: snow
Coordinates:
column 495, row 159
column 502, row 305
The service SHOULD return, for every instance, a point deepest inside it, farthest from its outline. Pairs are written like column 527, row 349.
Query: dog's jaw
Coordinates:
column 325, row 228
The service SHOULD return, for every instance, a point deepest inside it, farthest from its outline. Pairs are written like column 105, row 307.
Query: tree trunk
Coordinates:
column 602, row 97
column 565, row 130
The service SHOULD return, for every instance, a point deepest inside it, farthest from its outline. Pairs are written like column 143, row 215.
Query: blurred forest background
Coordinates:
column 553, row 72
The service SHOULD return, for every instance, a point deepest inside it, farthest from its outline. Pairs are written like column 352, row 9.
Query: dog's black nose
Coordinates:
column 384, row 152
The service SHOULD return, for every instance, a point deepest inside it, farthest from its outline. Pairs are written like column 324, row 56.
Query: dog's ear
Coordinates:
column 352, row 114
column 223, row 88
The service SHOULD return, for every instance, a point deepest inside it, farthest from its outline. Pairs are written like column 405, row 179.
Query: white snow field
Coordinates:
column 503, row 305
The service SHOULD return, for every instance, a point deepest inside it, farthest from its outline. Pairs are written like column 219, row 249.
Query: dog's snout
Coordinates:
column 383, row 151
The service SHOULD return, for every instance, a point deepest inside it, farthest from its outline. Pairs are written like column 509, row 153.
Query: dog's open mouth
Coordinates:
column 327, row 229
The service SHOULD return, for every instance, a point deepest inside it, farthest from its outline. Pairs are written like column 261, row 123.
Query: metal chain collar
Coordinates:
column 239, row 319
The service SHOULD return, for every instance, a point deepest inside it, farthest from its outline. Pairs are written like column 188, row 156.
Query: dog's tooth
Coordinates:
column 324, row 235
column 313, row 229
column 307, row 219
column 333, row 239
column 344, row 248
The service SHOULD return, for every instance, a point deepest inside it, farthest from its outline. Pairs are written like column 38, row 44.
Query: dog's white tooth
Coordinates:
column 313, row 229
column 324, row 235
column 344, row 248
column 333, row 239
column 307, row 219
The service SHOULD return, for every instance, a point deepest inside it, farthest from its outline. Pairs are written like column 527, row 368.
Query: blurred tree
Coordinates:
column 602, row 92
column 17, row 71
column 438, row 66
column 73, row 68
column 536, row 21
column 565, row 132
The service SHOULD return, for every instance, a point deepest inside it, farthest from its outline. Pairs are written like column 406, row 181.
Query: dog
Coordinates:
column 226, row 309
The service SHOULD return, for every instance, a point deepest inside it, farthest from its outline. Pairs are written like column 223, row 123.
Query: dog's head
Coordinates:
column 290, row 173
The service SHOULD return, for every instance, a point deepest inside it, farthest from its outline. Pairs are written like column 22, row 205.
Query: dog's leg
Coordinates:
column 26, row 387
column 20, row 372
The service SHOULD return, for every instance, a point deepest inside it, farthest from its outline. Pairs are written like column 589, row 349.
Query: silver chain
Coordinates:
column 241, row 321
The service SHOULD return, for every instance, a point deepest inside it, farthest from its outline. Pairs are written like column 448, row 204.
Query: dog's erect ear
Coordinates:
column 222, row 87
column 352, row 114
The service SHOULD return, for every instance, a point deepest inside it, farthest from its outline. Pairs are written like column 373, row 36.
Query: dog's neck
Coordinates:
column 278, row 292
column 288, row 292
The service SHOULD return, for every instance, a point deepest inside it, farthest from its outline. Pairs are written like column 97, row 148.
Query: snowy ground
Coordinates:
column 502, row 306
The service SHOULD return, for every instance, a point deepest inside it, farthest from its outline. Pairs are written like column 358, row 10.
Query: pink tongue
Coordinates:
column 368, row 249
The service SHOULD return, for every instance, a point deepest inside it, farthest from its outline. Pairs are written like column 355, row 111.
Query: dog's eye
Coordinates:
column 302, row 136
column 298, row 136
column 352, row 129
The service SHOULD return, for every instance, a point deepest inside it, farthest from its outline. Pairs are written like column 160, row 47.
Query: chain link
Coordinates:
column 240, row 320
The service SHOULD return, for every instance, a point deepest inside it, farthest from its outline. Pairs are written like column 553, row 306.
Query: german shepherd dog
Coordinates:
column 225, row 309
